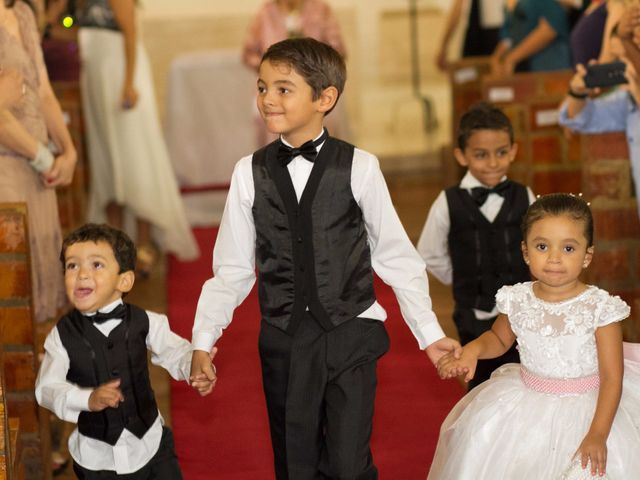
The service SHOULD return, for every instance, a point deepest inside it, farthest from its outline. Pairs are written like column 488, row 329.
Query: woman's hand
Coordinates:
column 61, row 174
column 129, row 96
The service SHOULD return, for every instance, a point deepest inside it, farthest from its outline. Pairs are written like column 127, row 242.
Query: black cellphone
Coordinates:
column 605, row 75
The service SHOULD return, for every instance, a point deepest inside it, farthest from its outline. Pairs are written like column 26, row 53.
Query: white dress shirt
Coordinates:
column 393, row 257
column 433, row 244
column 68, row 400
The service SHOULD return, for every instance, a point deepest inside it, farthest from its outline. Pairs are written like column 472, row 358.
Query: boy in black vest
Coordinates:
column 95, row 370
column 472, row 235
column 313, row 214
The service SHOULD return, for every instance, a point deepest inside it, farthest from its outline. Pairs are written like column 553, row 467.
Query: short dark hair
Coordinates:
column 482, row 116
column 319, row 64
column 123, row 248
column 555, row 205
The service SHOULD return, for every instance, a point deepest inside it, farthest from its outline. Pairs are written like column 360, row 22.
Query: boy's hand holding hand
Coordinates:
column 106, row 395
column 449, row 366
column 203, row 373
column 442, row 347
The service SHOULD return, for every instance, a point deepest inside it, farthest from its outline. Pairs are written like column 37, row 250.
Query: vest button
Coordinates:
column 299, row 239
column 115, row 372
column 301, row 268
column 110, row 345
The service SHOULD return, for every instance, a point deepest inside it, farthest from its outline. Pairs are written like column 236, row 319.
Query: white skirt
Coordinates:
column 502, row 430
column 129, row 162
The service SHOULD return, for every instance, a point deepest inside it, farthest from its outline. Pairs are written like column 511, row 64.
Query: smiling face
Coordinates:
column 92, row 276
column 488, row 155
column 556, row 250
column 286, row 104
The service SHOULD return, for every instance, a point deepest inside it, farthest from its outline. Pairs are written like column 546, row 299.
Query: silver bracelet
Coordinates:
column 43, row 160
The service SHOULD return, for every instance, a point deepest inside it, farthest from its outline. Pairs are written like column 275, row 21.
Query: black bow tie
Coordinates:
column 101, row 317
column 308, row 150
column 480, row 194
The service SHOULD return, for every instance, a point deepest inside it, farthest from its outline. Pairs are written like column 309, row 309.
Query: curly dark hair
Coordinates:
column 482, row 116
column 557, row 204
column 123, row 248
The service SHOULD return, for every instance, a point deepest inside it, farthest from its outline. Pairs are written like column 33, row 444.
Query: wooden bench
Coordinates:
column 11, row 466
column 72, row 200
column 19, row 359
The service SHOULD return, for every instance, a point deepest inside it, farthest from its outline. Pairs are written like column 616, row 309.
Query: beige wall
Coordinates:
column 383, row 112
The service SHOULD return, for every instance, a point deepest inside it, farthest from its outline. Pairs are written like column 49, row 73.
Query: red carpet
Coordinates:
column 226, row 435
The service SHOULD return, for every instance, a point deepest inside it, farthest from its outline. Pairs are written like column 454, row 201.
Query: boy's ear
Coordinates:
column 328, row 98
column 126, row 281
column 513, row 152
column 460, row 158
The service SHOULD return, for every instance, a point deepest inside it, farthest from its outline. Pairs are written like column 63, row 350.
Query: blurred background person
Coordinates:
column 482, row 32
column 534, row 37
column 131, row 174
column 36, row 152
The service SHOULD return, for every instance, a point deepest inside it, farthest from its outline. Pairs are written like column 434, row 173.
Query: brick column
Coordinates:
column 546, row 161
column 607, row 184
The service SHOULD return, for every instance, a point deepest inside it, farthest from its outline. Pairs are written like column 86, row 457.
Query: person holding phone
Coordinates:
column 585, row 111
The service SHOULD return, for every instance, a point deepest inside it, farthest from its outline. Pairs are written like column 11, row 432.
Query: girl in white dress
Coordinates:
column 567, row 412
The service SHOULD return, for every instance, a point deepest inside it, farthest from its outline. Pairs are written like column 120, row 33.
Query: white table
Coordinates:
column 210, row 125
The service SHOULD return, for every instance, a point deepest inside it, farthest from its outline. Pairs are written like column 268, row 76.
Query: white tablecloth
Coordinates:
column 210, row 125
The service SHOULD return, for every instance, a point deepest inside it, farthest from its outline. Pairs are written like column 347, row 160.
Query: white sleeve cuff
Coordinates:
column 429, row 334
column 203, row 341
column 78, row 399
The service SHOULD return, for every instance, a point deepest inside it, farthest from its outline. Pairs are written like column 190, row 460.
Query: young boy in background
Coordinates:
column 471, row 239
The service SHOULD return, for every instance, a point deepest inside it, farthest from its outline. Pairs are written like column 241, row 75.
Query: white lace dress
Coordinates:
column 503, row 429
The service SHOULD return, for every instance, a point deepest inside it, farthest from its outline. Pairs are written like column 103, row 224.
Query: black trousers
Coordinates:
column 470, row 328
column 163, row 465
column 320, row 390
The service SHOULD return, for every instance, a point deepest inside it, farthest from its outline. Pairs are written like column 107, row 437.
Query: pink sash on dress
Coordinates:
column 559, row 386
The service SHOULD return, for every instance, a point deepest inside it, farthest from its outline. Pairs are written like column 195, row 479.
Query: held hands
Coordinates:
column 451, row 366
column 106, row 395
column 594, row 448
column 442, row 347
column 203, row 373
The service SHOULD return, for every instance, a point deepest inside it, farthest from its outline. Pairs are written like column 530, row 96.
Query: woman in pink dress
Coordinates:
column 36, row 153
column 281, row 19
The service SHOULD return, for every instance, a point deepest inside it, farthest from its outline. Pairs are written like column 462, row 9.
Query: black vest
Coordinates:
column 313, row 253
column 485, row 256
column 95, row 359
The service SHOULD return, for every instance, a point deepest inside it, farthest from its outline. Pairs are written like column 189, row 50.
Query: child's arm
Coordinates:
column 174, row 354
column 490, row 344
column 53, row 391
column 433, row 244
column 610, row 366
